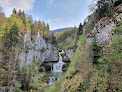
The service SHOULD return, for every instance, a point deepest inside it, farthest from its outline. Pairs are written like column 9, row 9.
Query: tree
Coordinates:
column 104, row 8
column 80, row 29
column 53, row 40
column 19, row 14
column 92, row 6
column 30, row 19
column 2, row 17
column 39, row 24
column 43, row 27
column 14, row 11
column 96, row 51
column 48, row 30
column 10, row 41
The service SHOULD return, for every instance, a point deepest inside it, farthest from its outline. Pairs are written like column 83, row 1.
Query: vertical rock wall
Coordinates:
column 37, row 49
column 104, row 30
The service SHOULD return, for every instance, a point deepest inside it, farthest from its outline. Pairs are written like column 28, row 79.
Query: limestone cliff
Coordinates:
column 37, row 48
column 104, row 30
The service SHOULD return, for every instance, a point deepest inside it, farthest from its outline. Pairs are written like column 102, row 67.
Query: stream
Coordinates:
column 56, row 71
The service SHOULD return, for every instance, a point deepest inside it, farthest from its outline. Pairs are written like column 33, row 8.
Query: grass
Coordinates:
column 81, row 40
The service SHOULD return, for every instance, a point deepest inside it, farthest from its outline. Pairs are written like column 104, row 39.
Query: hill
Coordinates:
column 60, row 30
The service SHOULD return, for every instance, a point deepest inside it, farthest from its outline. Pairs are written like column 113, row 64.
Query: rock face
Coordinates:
column 103, row 30
column 38, row 49
column 69, row 53
column 53, row 56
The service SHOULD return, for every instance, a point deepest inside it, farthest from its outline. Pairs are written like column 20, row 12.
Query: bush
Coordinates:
column 118, row 29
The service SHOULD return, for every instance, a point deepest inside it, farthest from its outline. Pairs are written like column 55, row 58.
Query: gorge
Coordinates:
column 84, row 58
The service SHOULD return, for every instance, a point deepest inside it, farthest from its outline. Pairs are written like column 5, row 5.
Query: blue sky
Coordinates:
column 58, row 13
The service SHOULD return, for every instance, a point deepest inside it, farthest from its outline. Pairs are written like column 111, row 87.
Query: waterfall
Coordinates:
column 58, row 66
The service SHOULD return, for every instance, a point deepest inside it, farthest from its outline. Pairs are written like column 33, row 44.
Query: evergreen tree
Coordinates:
column 10, row 41
column 14, row 11
column 96, row 51
column 80, row 29
column 53, row 40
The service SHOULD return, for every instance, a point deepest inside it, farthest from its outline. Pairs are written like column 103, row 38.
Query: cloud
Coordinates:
column 49, row 21
column 9, row 5
column 51, row 1
column 58, row 20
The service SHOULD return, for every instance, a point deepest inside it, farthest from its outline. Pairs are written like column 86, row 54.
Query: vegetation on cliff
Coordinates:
column 12, row 32
column 95, row 67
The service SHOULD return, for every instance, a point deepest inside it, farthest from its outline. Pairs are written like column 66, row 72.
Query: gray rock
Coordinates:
column 53, row 56
column 34, row 49
column 103, row 33
column 69, row 53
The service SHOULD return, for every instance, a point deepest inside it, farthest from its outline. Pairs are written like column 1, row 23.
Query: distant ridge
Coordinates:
column 60, row 30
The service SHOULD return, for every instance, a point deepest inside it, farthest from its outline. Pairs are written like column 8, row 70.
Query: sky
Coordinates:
column 57, row 13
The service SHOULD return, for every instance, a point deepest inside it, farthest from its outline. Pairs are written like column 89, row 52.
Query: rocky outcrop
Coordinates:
column 53, row 56
column 38, row 49
column 69, row 53
column 104, row 30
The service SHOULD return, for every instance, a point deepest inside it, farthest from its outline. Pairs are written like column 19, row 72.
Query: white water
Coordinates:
column 58, row 66
column 52, row 79
column 57, row 70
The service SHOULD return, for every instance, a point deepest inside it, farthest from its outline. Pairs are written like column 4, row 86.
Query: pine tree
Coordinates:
column 14, row 11
column 10, row 41
column 96, row 51
column 80, row 29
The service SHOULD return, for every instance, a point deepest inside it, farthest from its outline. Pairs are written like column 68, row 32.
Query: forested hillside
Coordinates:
column 60, row 30
column 96, row 63
column 15, row 77
column 87, row 58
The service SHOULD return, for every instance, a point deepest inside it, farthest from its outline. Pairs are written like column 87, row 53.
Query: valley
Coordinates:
column 83, row 58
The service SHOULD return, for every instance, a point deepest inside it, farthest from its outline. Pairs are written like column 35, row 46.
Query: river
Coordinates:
column 56, row 71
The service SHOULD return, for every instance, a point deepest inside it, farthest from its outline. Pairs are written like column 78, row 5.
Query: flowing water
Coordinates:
column 58, row 66
column 56, row 72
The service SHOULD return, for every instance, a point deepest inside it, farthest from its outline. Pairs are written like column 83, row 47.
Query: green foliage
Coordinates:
column 64, row 36
column 96, row 51
column 16, row 20
column 106, row 8
column 66, row 45
column 68, row 39
column 53, row 39
column 56, row 87
column 12, row 32
column 117, row 47
column 30, row 77
column 10, row 37
column 80, row 29
column 118, row 29
column 81, row 40
column 88, row 28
